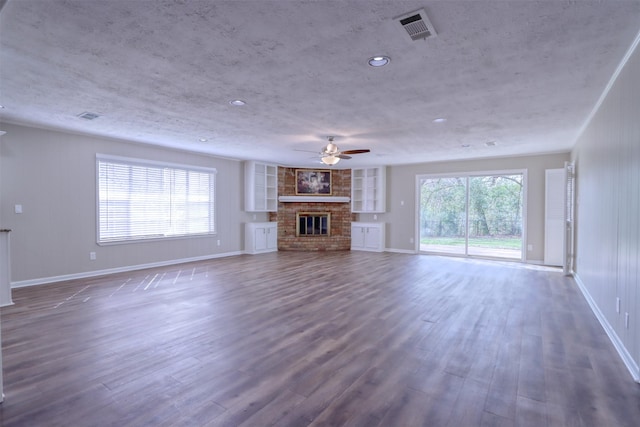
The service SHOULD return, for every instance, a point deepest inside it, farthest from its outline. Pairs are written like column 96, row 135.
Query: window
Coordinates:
column 474, row 214
column 141, row 200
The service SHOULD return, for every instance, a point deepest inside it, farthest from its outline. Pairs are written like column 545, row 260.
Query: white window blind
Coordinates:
column 140, row 200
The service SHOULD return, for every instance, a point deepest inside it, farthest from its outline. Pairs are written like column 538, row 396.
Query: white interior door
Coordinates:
column 554, row 217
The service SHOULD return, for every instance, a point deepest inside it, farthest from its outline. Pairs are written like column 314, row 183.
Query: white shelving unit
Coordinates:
column 260, row 237
column 368, row 193
column 368, row 236
column 261, row 187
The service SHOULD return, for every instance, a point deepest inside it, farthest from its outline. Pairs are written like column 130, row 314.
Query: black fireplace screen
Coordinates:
column 313, row 224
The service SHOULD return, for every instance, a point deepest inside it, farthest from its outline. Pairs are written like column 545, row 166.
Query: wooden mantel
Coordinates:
column 314, row 199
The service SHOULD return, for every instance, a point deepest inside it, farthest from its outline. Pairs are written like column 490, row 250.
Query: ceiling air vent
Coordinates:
column 417, row 25
column 88, row 116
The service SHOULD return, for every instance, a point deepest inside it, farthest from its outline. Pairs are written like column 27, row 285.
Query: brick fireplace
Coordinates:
column 339, row 237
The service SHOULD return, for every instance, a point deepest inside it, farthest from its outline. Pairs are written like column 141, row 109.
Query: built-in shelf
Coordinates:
column 368, row 189
column 314, row 199
column 261, row 187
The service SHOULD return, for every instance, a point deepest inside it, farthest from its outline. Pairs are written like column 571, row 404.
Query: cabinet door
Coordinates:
column 357, row 236
column 372, row 238
column 260, row 238
column 272, row 237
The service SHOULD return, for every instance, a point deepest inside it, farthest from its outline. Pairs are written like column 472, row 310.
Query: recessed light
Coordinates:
column 491, row 143
column 439, row 120
column 466, row 145
column 202, row 139
column 237, row 102
column 379, row 61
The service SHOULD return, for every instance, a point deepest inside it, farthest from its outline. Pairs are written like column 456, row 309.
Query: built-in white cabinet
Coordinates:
column 368, row 189
column 368, row 236
column 260, row 187
column 260, row 237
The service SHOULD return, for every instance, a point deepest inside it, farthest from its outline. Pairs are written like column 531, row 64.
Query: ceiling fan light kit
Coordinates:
column 331, row 154
column 330, row 160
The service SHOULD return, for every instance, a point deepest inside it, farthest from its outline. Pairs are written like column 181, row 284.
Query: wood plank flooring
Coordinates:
column 313, row 339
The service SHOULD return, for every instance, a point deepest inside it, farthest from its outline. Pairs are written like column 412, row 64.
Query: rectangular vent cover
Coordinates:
column 88, row 116
column 417, row 25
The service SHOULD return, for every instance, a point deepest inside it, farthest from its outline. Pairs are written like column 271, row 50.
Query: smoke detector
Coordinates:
column 417, row 25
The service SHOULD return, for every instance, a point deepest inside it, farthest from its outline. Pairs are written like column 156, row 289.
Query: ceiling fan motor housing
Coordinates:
column 331, row 148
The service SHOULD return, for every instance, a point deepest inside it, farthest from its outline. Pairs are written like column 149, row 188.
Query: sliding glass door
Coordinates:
column 443, row 214
column 476, row 215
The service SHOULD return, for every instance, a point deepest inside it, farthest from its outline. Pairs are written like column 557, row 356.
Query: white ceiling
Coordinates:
column 525, row 74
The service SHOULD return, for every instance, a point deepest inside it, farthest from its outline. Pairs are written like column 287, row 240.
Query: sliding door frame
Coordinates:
column 467, row 175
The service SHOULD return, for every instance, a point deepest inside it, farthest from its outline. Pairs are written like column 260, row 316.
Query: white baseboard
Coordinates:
column 86, row 274
column 401, row 251
column 631, row 364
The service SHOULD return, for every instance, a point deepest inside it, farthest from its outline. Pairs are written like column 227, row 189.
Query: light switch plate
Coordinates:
column 18, row 209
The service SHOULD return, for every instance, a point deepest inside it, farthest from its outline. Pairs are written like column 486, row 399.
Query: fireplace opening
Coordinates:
column 313, row 223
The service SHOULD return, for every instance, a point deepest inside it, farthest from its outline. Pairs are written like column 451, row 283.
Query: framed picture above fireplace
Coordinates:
column 313, row 182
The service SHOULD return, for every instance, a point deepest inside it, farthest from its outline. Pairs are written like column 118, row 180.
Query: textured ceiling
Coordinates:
column 525, row 74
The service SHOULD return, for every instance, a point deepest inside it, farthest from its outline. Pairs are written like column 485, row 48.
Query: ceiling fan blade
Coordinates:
column 342, row 156
column 306, row 151
column 356, row 151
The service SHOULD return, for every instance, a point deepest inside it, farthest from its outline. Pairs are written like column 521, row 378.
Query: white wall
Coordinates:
column 401, row 196
column 52, row 175
column 607, row 157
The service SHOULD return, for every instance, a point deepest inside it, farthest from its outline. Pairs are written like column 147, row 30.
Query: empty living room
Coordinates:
column 319, row 213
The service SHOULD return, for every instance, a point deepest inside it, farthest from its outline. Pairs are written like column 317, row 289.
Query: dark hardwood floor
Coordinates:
column 313, row 339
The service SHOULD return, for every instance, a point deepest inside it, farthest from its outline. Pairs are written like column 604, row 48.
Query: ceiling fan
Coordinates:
column 331, row 154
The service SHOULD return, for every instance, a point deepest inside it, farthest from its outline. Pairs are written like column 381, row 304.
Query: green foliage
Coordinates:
column 495, row 206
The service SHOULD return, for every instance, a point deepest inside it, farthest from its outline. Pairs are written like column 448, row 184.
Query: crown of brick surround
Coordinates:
column 341, row 216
